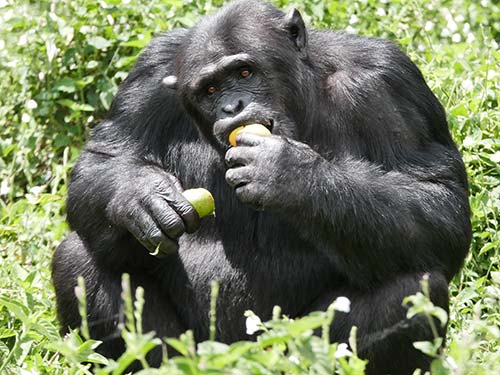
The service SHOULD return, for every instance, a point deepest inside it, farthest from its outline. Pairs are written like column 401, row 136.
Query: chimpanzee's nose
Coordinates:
column 233, row 108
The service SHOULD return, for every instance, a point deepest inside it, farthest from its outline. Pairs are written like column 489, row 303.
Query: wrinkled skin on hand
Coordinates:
column 263, row 171
column 154, row 211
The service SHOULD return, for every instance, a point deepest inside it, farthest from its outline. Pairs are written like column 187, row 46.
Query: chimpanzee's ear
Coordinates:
column 295, row 26
column 170, row 82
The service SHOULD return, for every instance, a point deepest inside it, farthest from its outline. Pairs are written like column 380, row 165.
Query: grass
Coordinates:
column 60, row 65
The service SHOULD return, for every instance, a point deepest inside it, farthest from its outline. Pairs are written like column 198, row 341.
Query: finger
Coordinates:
column 239, row 155
column 167, row 218
column 236, row 177
column 175, row 181
column 247, row 194
column 144, row 228
column 249, row 139
column 184, row 210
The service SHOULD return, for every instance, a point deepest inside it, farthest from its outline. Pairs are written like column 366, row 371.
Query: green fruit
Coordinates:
column 201, row 200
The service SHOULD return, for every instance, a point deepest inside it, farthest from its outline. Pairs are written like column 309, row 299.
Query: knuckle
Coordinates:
column 233, row 177
column 230, row 157
column 162, row 187
column 243, row 194
column 172, row 224
column 189, row 217
column 229, row 173
column 151, row 234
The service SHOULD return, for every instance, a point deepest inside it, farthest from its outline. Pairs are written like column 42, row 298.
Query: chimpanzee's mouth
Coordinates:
column 223, row 128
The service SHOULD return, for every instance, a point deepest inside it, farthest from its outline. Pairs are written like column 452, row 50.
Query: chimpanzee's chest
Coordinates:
column 258, row 266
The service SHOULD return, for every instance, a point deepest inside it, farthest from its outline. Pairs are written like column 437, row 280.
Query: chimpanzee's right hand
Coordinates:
column 151, row 207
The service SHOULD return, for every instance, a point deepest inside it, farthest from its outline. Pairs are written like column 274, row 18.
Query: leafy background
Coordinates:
column 60, row 65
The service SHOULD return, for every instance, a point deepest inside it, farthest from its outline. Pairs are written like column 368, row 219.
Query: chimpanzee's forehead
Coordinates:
column 243, row 27
column 230, row 37
column 213, row 40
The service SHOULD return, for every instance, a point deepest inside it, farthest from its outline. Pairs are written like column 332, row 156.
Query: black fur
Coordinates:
column 359, row 192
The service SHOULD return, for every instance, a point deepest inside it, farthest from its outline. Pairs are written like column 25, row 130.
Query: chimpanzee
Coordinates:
column 358, row 192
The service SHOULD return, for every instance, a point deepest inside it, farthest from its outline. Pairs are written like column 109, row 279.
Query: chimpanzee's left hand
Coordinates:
column 272, row 172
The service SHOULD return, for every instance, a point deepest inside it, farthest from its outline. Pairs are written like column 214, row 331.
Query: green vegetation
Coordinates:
column 60, row 65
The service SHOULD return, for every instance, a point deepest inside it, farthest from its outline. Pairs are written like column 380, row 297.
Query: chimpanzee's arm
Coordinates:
column 119, row 185
column 400, row 203
column 391, row 220
column 391, row 199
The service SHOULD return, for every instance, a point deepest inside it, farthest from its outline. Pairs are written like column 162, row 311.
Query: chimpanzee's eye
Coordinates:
column 211, row 90
column 245, row 73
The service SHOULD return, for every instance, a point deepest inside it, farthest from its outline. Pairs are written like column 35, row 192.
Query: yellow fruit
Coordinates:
column 252, row 128
column 201, row 200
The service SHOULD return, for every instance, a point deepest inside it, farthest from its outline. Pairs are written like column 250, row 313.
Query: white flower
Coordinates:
column 294, row 359
column 85, row 29
column 451, row 363
column 380, row 12
column 354, row 19
column 342, row 351
column 470, row 38
column 23, row 40
column 51, row 49
column 27, row 372
column 484, row 3
column 429, row 26
column 36, row 190
column 452, row 25
column 403, row 26
column 25, row 117
column 351, row 30
column 456, row 38
column 447, row 14
column 31, row 104
column 342, row 304
column 4, row 187
column 78, row 292
column 253, row 324
column 41, row 76
column 467, row 85
column 2, row 44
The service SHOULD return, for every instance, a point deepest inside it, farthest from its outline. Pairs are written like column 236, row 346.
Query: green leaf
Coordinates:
column 66, row 85
column 495, row 157
column 438, row 368
column 178, row 345
column 138, row 43
column 17, row 308
column 99, row 42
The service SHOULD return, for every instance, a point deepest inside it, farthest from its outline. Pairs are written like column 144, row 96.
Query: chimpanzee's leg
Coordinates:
column 104, row 302
column 385, row 337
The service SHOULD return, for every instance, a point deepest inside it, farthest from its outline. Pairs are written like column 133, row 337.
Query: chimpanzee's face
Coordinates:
column 237, row 73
